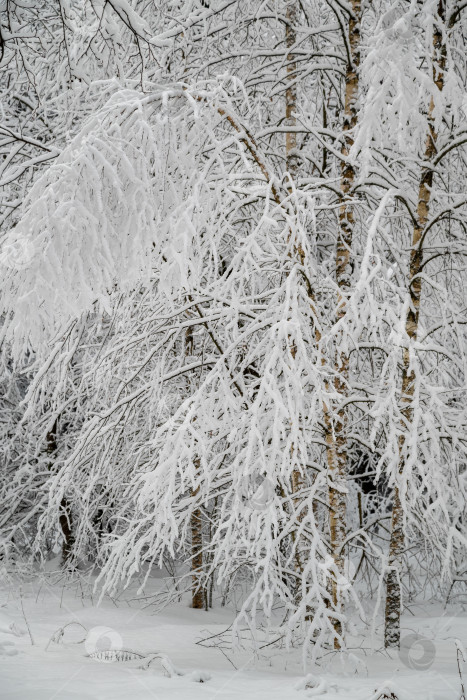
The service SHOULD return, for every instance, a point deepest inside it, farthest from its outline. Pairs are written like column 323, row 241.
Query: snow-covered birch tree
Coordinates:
column 221, row 306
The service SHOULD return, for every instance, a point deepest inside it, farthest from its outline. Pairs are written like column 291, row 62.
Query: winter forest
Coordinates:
column 233, row 349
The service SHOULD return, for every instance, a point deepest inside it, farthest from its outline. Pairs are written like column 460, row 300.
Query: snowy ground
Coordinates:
column 63, row 670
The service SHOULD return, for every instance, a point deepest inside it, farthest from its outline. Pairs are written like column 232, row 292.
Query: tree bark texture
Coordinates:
column 196, row 523
column 291, row 163
column 198, row 591
column 396, row 545
column 335, row 425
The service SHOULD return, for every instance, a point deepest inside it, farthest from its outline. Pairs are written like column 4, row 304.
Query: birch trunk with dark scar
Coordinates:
column 396, row 545
column 291, row 91
column 65, row 518
column 197, row 586
column 291, row 164
column 335, row 424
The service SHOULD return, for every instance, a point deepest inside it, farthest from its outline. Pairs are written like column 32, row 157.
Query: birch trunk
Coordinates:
column 196, row 523
column 396, row 545
column 291, row 91
column 336, row 452
column 198, row 588
column 291, row 164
